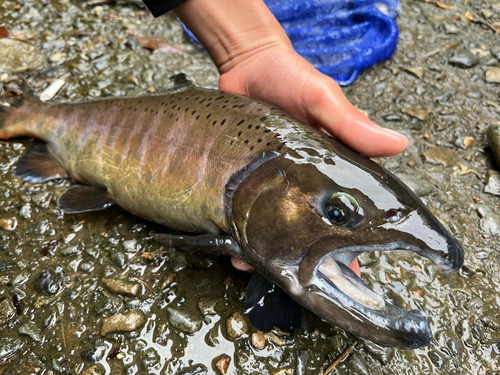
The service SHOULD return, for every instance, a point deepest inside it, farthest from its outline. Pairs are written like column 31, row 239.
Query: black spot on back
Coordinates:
column 263, row 118
column 241, row 122
column 223, row 122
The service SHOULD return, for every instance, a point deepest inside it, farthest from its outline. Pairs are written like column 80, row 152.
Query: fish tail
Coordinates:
column 13, row 118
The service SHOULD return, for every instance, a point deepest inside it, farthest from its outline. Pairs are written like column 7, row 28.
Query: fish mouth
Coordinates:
column 363, row 311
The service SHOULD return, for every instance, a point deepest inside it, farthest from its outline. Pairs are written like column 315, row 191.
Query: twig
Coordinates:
column 474, row 19
column 444, row 48
column 143, row 283
column 439, row 4
column 340, row 358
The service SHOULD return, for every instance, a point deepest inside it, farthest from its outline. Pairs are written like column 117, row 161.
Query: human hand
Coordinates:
column 255, row 58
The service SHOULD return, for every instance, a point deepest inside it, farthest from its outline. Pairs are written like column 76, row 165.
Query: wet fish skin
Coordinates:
column 204, row 161
column 493, row 135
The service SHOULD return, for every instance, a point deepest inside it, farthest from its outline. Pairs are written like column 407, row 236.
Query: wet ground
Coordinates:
column 94, row 293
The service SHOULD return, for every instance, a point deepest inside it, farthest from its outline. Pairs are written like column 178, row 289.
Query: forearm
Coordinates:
column 230, row 30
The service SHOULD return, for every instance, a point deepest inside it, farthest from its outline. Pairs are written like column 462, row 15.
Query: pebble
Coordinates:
column 8, row 224
column 441, row 155
column 197, row 369
column 71, row 250
column 492, row 182
column 118, row 258
column 207, row 305
column 7, row 311
column 130, row 246
column 51, row 281
column 463, row 58
column 391, row 117
column 185, row 321
column 178, row 262
column 302, row 360
column 17, row 57
column 123, row 322
column 96, row 352
column 236, row 325
column 492, row 75
column 222, row 364
column 87, row 267
column 42, row 199
column 419, row 187
column 122, row 286
column 381, row 354
column 9, row 346
column 96, row 369
column 258, row 340
column 31, row 330
column 25, row 211
column 495, row 51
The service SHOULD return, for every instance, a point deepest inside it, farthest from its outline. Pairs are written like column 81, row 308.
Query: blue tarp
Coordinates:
column 340, row 37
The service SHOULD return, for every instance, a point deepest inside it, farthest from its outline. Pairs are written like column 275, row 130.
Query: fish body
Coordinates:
column 493, row 135
column 289, row 199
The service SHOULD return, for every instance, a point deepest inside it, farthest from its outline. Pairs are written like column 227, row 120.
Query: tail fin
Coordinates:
column 10, row 125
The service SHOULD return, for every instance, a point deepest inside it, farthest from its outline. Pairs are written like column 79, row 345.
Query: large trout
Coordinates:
column 250, row 180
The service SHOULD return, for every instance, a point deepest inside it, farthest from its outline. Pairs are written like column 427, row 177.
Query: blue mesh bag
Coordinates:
column 339, row 37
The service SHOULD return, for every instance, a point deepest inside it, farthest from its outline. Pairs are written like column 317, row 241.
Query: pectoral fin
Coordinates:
column 84, row 199
column 39, row 165
column 268, row 306
column 205, row 242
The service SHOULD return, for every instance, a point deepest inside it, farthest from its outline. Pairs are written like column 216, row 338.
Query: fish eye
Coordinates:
column 341, row 208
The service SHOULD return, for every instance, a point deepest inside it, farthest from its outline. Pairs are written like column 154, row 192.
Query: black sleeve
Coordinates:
column 159, row 7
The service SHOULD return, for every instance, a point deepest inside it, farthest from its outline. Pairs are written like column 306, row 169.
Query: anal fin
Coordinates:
column 84, row 199
column 268, row 306
column 39, row 165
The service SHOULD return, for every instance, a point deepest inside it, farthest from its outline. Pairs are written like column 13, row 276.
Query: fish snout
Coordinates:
column 414, row 329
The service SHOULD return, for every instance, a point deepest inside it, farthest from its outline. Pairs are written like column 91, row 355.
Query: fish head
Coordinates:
column 303, row 216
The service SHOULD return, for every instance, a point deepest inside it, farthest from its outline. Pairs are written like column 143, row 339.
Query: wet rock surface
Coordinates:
column 52, row 265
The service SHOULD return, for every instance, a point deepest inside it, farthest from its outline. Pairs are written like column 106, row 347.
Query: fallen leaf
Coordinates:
column 4, row 32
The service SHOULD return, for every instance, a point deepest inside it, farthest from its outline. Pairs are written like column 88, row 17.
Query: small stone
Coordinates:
column 92, row 251
column 419, row 187
column 118, row 258
column 450, row 28
column 42, row 199
column 56, row 57
column 463, row 58
column 87, row 267
column 122, row 286
column 17, row 57
column 8, row 347
column 382, row 354
column 8, row 224
column 495, row 51
column 71, row 250
column 178, row 262
column 207, row 305
column 258, row 340
column 25, row 211
column 475, row 94
column 51, row 281
column 31, row 330
column 441, row 155
column 222, row 364
column 236, row 325
column 492, row 75
column 123, row 322
column 96, row 352
column 130, row 246
column 7, row 310
column 492, row 182
column 391, row 117
column 185, row 321
column 96, row 369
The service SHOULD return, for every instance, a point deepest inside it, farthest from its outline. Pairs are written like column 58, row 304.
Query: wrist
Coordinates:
column 232, row 30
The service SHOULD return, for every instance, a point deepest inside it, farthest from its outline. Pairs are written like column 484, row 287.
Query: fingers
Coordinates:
column 326, row 106
column 282, row 77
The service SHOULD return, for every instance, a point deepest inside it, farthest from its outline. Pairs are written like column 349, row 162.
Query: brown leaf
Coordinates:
column 4, row 32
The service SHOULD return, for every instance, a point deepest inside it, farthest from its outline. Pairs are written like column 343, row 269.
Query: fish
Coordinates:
column 241, row 176
column 493, row 135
